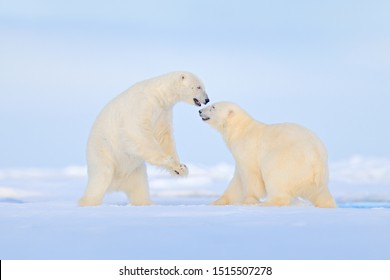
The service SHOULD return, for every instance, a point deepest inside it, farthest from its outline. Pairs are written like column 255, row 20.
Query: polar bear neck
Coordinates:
column 162, row 92
column 166, row 98
column 238, row 127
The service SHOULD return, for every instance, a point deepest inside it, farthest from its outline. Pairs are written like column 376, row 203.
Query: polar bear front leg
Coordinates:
column 156, row 156
column 163, row 133
column 153, row 147
column 234, row 192
column 252, row 184
column 164, row 136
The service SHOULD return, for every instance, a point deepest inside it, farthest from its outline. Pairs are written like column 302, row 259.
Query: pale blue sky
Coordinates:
column 325, row 65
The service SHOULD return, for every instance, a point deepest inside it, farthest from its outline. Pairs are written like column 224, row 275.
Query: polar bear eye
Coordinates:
column 213, row 107
column 198, row 87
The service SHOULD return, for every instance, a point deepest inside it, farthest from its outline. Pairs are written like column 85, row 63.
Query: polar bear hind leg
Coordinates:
column 99, row 182
column 136, row 186
column 323, row 199
column 277, row 190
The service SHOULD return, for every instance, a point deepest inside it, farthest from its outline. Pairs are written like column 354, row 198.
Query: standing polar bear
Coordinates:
column 135, row 127
column 279, row 161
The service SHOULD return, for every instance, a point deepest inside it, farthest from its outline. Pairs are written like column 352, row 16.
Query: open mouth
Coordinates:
column 197, row 102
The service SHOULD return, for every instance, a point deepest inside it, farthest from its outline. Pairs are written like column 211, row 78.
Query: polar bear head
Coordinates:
column 220, row 114
column 190, row 89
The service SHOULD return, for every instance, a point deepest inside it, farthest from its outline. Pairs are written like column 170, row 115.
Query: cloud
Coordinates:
column 361, row 170
column 43, row 173
column 357, row 169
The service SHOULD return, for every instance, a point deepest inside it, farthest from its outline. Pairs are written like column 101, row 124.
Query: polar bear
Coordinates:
column 134, row 128
column 279, row 161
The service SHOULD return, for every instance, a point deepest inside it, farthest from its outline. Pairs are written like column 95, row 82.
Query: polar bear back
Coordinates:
column 293, row 138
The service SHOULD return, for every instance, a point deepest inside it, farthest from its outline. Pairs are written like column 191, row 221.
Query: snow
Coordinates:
column 40, row 219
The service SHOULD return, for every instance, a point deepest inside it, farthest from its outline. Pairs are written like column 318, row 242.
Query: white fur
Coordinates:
column 133, row 128
column 278, row 162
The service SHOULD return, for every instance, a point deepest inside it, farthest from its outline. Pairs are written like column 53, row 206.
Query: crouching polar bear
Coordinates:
column 135, row 127
column 280, row 161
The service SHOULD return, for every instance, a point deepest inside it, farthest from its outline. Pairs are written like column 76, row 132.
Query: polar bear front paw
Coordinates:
column 221, row 201
column 251, row 201
column 180, row 170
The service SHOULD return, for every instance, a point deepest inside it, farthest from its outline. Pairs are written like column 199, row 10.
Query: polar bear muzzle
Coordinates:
column 203, row 116
column 198, row 103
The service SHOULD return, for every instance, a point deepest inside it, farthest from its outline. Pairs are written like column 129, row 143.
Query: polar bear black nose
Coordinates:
column 206, row 101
